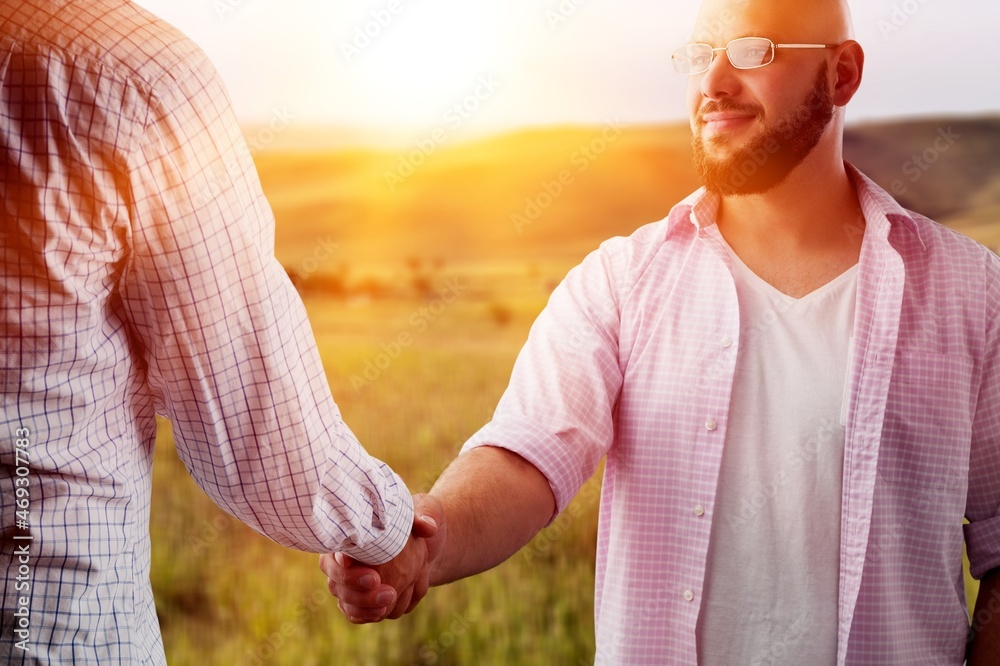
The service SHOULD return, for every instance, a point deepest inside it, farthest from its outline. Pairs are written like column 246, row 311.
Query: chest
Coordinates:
column 683, row 335
column 796, row 276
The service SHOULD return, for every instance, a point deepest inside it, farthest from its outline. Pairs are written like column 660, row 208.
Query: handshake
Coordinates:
column 481, row 533
column 369, row 593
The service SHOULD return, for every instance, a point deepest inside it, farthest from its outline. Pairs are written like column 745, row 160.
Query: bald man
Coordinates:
column 794, row 381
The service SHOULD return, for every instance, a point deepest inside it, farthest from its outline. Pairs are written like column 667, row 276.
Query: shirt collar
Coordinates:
column 698, row 208
column 881, row 211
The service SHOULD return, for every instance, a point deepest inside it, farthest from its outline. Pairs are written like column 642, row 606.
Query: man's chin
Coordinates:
column 715, row 142
column 747, row 131
column 730, row 172
column 726, row 148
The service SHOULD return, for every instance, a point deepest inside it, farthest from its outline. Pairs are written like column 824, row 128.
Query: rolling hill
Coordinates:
column 556, row 193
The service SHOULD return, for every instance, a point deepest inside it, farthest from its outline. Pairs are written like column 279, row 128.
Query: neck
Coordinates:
column 809, row 210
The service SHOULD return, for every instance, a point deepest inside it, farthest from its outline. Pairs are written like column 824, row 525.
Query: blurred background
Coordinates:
column 435, row 167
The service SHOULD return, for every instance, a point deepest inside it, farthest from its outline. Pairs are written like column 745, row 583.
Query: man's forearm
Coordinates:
column 494, row 502
column 985, row 647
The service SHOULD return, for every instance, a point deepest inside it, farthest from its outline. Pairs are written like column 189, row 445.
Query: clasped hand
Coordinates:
column 374, row 593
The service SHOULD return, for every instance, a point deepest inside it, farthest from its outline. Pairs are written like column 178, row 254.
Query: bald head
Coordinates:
column 818, row 21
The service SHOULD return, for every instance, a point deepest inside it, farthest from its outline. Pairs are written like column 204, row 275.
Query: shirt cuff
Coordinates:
column 392, row 528
column 559, row 461
column 982, row 542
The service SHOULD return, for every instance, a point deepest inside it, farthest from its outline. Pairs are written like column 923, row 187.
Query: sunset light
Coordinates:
column 399, row 65
column 418, row 66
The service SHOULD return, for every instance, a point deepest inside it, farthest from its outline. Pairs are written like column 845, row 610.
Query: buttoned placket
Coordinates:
column 727, row 347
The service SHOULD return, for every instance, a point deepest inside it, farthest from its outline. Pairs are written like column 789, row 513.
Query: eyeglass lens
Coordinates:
column 744, row 53
column 750, row 52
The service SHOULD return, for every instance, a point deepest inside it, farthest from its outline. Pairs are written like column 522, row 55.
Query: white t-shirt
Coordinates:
column 772, row 579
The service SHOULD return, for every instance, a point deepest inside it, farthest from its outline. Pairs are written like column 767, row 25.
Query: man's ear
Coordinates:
column 849, row 62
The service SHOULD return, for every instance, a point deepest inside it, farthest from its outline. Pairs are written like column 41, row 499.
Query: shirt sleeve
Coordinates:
column 982, row 535
column 231, row 356
column 557, row 411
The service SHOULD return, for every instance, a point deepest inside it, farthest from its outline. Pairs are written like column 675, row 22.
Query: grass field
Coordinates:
column 228, row 596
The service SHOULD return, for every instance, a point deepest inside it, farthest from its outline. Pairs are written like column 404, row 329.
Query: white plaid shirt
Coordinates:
column 138, row 277
column 633, row 359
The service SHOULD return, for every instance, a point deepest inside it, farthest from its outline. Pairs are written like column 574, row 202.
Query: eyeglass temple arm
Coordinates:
column 806, row 46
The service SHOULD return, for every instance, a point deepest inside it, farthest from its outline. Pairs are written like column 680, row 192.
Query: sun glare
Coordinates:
column 417, row 62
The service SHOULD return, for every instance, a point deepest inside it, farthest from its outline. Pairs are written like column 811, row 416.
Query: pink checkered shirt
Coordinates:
column 633, row 359
column 138, row 277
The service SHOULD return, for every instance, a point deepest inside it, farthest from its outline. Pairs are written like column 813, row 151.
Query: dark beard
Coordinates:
column 768, row 158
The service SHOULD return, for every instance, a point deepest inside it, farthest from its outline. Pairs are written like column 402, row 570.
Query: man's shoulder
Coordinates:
column 642, row 245
column 915, row 234
column 639, row 243
column 948, row 244
column 944, row 256
column 114, row 37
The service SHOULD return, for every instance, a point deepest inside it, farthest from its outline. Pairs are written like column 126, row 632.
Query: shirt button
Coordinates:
column 711, row 425
column 699, row 511
column 688, row 595
column 727, row 343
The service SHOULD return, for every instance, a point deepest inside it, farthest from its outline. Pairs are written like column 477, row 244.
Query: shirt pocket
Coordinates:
column 928, row 421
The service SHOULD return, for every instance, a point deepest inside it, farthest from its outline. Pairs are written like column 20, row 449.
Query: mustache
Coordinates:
column 722, row 106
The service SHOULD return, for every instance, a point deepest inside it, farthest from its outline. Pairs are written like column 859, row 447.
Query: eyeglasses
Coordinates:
column 744, row 53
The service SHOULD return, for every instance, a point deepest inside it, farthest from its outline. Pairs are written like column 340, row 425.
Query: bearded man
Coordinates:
column 794, row 381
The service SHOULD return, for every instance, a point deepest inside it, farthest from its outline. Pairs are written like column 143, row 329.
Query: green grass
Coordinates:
column 227, row 596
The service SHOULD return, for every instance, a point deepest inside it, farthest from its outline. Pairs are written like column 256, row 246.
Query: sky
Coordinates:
column 403, row 66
